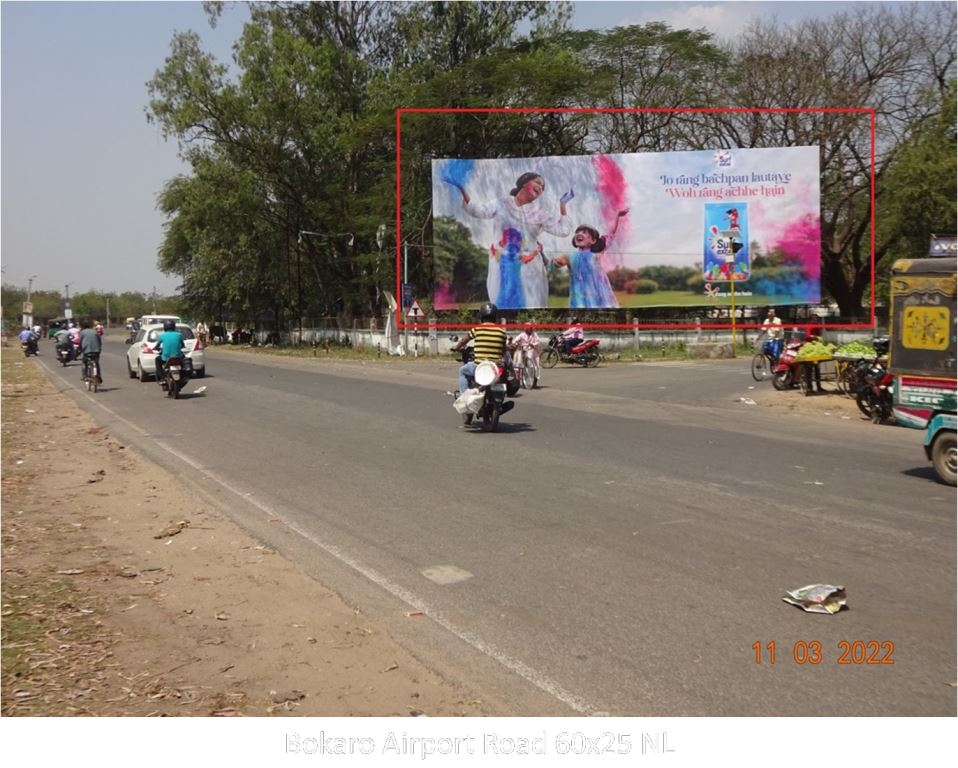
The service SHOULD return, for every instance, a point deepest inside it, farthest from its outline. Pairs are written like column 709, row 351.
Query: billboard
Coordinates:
column 628, row 230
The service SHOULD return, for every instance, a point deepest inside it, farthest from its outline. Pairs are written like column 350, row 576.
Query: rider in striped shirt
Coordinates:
column 490, row 344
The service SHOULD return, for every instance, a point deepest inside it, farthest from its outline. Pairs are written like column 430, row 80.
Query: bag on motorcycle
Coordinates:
column 469, row 401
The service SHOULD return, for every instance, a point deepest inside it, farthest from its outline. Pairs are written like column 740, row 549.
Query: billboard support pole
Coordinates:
column 731, row 283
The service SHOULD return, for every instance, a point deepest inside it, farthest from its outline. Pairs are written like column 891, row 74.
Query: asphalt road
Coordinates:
column 619, row 547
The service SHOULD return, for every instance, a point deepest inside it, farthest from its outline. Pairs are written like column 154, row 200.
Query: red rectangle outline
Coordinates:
column 400, row 321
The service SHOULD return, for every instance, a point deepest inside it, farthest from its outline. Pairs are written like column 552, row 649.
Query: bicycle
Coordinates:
column 763, row 362
column 527, row 367
column 91, row 372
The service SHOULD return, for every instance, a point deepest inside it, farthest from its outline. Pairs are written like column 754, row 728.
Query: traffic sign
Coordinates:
column 415, row 311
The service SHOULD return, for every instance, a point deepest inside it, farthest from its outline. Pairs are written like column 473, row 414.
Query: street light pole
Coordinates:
column 299, row 241
column 28, row 316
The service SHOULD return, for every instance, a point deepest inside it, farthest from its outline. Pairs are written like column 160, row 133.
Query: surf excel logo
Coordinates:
column 723, row 158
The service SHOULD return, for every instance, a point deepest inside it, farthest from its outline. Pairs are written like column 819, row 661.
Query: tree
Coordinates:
column 899, row 63
column 918, row 189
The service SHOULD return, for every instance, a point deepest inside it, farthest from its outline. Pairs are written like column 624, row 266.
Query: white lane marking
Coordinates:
column 539, row 680
column 446, row 574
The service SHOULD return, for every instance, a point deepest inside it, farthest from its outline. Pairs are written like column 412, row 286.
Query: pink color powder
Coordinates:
column 611, row 186
column 800, row 241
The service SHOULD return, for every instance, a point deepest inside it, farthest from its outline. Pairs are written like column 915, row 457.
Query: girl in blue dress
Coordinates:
column 589, row 286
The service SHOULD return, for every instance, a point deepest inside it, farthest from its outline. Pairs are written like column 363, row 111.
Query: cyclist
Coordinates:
column 527, row 343
column 772, row 328
column 90, row 347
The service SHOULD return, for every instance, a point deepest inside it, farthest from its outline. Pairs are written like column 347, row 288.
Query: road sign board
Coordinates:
column 415, row 311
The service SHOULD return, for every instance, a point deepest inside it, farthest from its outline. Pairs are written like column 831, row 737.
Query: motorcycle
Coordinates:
column 176, row 372
column 875, row 397
column 29, row 347
column 66, row 353
column 585, row 354
column 785, row 372
column 513, row 376
column 486, row 400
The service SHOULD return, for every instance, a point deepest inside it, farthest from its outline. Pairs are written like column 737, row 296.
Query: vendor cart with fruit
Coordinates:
column 922, row 354
column 851, row 361
column 815, row 365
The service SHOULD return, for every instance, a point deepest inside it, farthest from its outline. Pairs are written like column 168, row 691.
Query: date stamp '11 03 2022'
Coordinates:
column 847, row 652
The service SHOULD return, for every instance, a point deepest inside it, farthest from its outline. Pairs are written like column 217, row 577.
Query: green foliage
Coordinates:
column 458, row 261
column 918, row 191
column 301, row 136
column 642, row 285
column 90, row 304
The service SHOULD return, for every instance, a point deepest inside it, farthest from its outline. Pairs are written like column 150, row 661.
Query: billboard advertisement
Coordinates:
column 628, row 230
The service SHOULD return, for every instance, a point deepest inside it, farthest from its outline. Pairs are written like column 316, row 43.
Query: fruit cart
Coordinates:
column 814, row 370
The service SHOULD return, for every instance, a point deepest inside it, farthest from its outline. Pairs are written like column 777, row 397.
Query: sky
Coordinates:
column 80, row 167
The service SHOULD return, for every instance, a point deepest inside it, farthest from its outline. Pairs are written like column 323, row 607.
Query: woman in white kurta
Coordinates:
column 517, row 267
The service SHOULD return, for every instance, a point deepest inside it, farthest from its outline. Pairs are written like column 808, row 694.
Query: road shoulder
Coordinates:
column 125, row 594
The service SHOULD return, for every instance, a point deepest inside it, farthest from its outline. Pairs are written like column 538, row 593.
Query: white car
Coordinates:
column 141, row 356
column 146, row 320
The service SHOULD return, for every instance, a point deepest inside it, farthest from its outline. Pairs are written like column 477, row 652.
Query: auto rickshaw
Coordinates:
column 922, row 354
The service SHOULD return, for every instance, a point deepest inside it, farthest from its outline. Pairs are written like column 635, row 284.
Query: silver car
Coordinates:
column 141, row 356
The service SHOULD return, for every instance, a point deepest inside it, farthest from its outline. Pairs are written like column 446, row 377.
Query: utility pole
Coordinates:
column 28, row 304
column 154, row 299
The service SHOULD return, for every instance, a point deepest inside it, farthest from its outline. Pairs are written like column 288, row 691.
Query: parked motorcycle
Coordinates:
column 785, row 372
column 875, row 397
column 176, row 372
column 585, row 354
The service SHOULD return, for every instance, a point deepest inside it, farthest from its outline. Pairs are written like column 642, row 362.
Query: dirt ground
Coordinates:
column 112, row 607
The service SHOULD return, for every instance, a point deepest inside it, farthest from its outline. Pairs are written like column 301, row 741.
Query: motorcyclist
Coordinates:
column 490, row 344
column 573, row 335
column 169, row 344
column 64, row 343
column 528, row 344
column 28, row 339
column 90, row 347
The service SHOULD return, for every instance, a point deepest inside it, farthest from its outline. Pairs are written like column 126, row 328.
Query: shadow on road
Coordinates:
column 926, row 472
column 504, row 427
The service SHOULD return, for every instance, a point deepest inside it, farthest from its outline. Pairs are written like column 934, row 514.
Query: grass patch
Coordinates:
column 336, row 352
column 51, row 646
